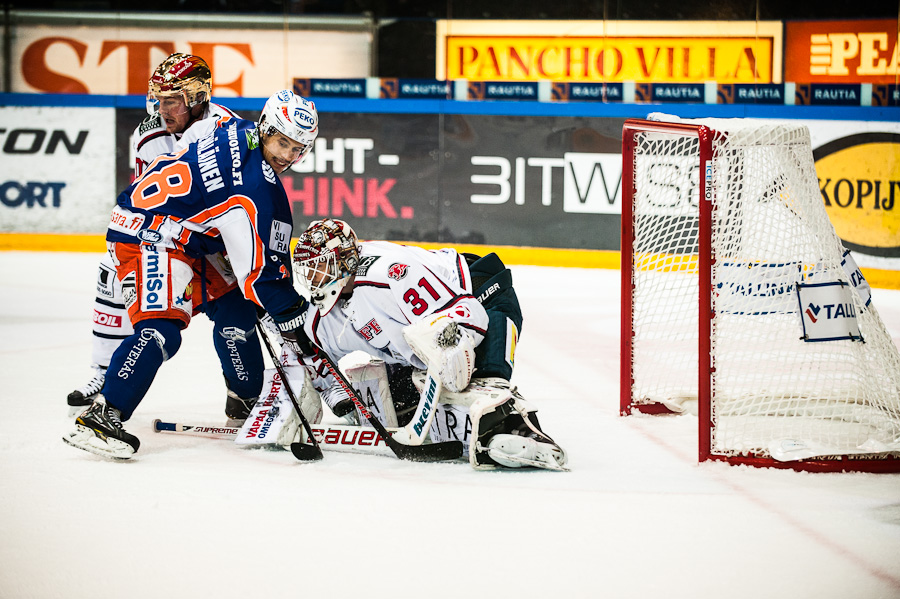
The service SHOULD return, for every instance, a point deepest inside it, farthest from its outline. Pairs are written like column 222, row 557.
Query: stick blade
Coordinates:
column 305, row 452
column 435, row 452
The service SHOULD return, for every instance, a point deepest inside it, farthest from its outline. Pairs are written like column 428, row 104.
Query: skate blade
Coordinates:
column 86, row 439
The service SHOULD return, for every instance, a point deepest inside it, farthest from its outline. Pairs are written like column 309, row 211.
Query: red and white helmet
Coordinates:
column 293, row 116
column 325, row 258
column 180, row 74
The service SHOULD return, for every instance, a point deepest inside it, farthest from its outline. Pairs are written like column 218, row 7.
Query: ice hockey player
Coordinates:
column 222, row 192
column 411, row 308
column 179, row 107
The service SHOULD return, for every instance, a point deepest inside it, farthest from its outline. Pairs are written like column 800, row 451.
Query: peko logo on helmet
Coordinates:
column 293, row 116
column 304, row 119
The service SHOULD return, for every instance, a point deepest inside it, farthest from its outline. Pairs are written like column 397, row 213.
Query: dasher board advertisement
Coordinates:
column 245, row 61
column 863, row 51
column 57, row 169
column 639, row 51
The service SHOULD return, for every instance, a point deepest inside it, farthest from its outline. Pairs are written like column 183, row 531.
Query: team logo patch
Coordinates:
column 107, row 320
column 234, row 334
column 154, row 121
column 280, row 237
column 460, row 311
column 155, row 274
column 129, row 289
column 397, row 271
column 185, row 302
column 364, row 263
column 105, row 282
column 370, row 329
column 149, row 236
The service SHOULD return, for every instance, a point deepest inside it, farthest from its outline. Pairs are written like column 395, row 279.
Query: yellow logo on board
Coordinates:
column 859, row 179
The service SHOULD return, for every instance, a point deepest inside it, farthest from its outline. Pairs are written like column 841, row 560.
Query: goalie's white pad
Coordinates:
column 273, row 420
column 371, row 380
column 439, row 341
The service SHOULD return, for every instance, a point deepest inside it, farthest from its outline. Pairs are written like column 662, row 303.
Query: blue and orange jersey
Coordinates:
column 217, row 194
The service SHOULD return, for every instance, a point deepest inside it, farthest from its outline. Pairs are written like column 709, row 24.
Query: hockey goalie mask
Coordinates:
column 182, row 77
column 294, row 117
column 325, row 260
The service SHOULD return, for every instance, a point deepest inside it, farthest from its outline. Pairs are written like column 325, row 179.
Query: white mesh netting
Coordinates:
column 772, row 393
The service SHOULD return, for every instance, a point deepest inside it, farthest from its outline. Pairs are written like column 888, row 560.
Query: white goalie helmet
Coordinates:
column 325, row 259
column 293, row 116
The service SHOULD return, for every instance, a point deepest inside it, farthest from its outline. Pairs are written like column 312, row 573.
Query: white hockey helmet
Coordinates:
column 325, row 258
column 293, row 116
column 182, row 75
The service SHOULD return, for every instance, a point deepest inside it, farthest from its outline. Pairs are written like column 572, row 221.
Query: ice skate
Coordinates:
column 515, row 451
column 84, row 396
column 507, row 433
column 237, row 408
column 99, row 430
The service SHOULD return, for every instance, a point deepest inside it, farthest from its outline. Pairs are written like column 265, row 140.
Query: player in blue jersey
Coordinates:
column 180, row 112
column 220, row 193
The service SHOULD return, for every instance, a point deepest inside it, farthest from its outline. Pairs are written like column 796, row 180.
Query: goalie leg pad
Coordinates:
column 371, row 380
column 273, row 420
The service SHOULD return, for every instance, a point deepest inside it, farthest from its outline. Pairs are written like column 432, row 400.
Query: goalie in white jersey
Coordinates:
column 394, row 303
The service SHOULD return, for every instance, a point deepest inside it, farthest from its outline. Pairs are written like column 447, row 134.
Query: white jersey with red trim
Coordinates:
column 150, row 139
column 396, row 286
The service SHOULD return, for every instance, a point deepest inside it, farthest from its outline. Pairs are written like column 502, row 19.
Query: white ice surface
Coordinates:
column 191, row 517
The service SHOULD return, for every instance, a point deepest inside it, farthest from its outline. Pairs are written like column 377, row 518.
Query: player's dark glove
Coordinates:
column 290, row 324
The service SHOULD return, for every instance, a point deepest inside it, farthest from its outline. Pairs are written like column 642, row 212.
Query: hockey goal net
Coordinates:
column 740, row 303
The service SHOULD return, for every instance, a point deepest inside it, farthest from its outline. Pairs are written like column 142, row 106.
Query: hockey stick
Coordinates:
column 435, row 452
column 196, row 430
column 345, row 438
column 302, row 451
column 416, row 430
column 418, row 427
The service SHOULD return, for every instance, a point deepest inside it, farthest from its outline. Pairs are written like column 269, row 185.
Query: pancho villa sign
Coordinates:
column 645, row 51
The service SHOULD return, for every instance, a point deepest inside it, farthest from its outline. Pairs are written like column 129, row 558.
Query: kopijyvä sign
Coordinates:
column 859, row 177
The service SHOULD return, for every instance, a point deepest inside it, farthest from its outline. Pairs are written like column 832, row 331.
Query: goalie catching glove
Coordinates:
column 438, row 340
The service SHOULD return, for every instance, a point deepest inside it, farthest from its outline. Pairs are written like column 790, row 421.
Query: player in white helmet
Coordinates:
column 179, row 112
column 413, row 308
column 220, row 192
column 288, row 126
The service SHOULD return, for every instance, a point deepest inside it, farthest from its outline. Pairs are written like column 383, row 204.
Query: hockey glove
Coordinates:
column 290, row 324
column 439, row 340
column 457, row 363
column 338, row 400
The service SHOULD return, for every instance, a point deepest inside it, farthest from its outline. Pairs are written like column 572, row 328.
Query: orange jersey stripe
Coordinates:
column 259, row 253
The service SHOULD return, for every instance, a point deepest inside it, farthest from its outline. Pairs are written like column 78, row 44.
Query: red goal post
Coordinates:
column 739, row 302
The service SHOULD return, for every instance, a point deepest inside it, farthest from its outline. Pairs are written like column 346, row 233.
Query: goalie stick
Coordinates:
column 418, row 427
column 305, row 452
column 345, row 438
column 434, row 452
